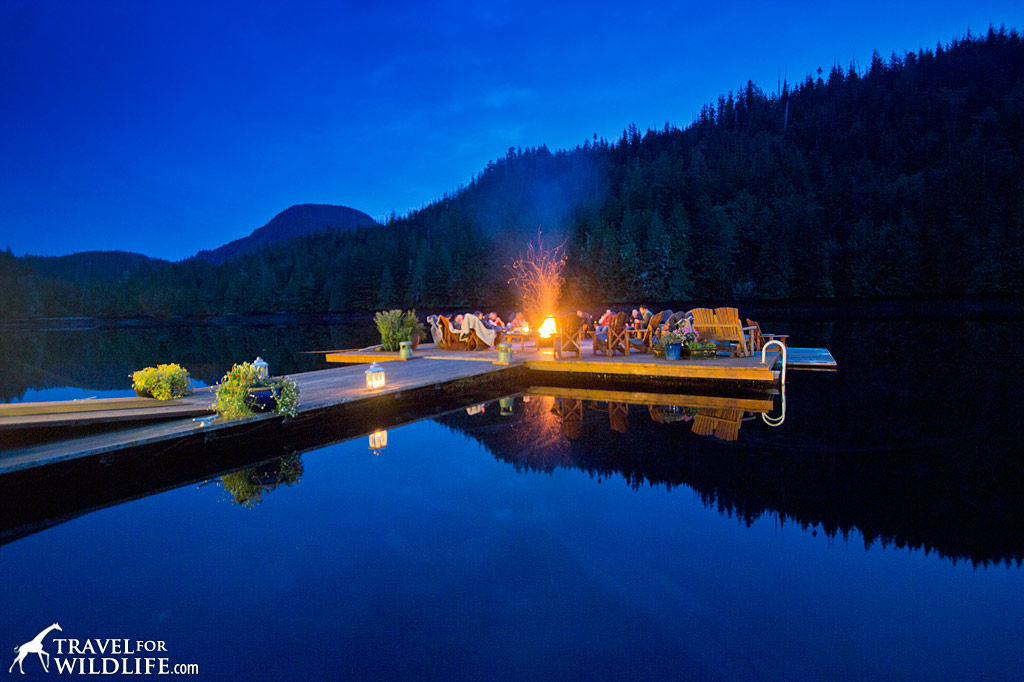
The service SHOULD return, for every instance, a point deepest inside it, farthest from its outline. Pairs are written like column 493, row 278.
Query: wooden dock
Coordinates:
column 722, row 368
column 318, row 391
column 38, row 434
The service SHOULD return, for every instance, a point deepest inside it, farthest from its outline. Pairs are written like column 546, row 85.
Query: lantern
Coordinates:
column 504, row 353
column 405, row 350
column 378, row 441
column 374, row 377
column 262, row 368
column 506, row 405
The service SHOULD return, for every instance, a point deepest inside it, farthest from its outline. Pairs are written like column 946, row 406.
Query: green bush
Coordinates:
column 395, row 326
column 163, row 382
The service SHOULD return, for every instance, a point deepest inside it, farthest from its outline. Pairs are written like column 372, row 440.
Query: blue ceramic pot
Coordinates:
column 261, row 399
column 673, row 350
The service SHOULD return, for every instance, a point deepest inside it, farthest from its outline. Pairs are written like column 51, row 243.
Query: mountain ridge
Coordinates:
column 294, row 221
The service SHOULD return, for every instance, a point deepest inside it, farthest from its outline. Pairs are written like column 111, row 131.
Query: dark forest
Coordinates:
column 900, row 179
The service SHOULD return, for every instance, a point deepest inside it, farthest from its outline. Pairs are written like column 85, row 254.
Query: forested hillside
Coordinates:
column 904, row 178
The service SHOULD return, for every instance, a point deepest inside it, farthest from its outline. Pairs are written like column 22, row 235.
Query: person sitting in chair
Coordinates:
column 588, row 320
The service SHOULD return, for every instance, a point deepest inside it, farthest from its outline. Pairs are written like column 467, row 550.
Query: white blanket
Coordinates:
column 472, row 322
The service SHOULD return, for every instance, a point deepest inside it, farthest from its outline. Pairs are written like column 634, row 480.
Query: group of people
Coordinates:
column 488, row 327
column 493, row 321
column 637, row 319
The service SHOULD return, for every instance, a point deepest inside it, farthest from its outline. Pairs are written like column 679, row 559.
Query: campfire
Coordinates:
column 547, row 329
column 538, row 276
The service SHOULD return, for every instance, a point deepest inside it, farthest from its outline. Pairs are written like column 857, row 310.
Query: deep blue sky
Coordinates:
column 167, row 127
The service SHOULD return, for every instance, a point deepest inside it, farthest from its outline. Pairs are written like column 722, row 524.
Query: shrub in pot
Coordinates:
column 395, row 326
column 163, row 382
column 241, row 393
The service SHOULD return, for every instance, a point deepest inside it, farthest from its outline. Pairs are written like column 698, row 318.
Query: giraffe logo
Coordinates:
column 34, row 646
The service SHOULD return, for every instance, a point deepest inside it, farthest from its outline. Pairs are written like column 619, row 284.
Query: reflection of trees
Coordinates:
column 102, row 357
column 247, row 486
column 962, row 501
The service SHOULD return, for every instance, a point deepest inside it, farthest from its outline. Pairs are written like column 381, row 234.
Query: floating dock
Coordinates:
column 59, row 460
column 445, row 379
column 721, row 368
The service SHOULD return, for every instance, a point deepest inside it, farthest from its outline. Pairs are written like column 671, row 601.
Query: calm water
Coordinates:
column 877, row 534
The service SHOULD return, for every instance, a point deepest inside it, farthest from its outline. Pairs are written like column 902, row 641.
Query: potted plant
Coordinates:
column 163, row 382
column 670, row 344
column 242, row 393
column 395, row 326
column 696, row 349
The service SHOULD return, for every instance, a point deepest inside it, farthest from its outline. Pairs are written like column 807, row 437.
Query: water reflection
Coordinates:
column 963, row 508
column 97, row 355
column 248, row 486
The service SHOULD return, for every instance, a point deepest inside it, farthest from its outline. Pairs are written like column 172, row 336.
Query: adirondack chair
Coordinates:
column 570, row 335
column 641, row 340
column 734, row 331
column 759, row 338
column 722, row 325
column 615, row 339
column 449, row 338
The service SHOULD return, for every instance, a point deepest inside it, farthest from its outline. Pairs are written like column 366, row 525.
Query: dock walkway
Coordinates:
column 317, row 390
column 449, row 373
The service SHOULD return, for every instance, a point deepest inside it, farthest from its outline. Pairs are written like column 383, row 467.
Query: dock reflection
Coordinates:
column 727, row 451
column 961, row 505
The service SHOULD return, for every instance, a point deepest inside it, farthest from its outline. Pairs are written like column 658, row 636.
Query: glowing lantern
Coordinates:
column 262, row 368
column 378, row 441
column 374, row 377
column 548, row 328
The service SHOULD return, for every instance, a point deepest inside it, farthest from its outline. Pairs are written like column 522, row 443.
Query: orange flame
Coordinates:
column 547, row 329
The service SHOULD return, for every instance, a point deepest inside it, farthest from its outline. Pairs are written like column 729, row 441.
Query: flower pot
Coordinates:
column 143, row 393
column 261, row 399
column 673, row 350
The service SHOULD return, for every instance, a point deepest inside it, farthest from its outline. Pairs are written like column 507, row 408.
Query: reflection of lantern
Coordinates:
column 378, row 441
column 262, row 368
column 506, row 406
column 475, row 409
column 375, row 377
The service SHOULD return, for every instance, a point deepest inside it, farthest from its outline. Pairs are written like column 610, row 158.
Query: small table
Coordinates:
column 522, row 338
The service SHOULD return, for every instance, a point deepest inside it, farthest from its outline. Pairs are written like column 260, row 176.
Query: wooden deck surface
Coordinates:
column 634, row 363
column 336, row 386
column 317, row 390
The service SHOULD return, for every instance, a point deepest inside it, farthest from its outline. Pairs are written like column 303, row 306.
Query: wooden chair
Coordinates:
column 759, row 338
column 449, row 339
column 615, row 339
column 641, row 340
column 735, row 332
column 722, row 325
column 569, row 336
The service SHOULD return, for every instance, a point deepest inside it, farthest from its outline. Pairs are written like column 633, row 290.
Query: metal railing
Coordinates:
column 776, row 421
